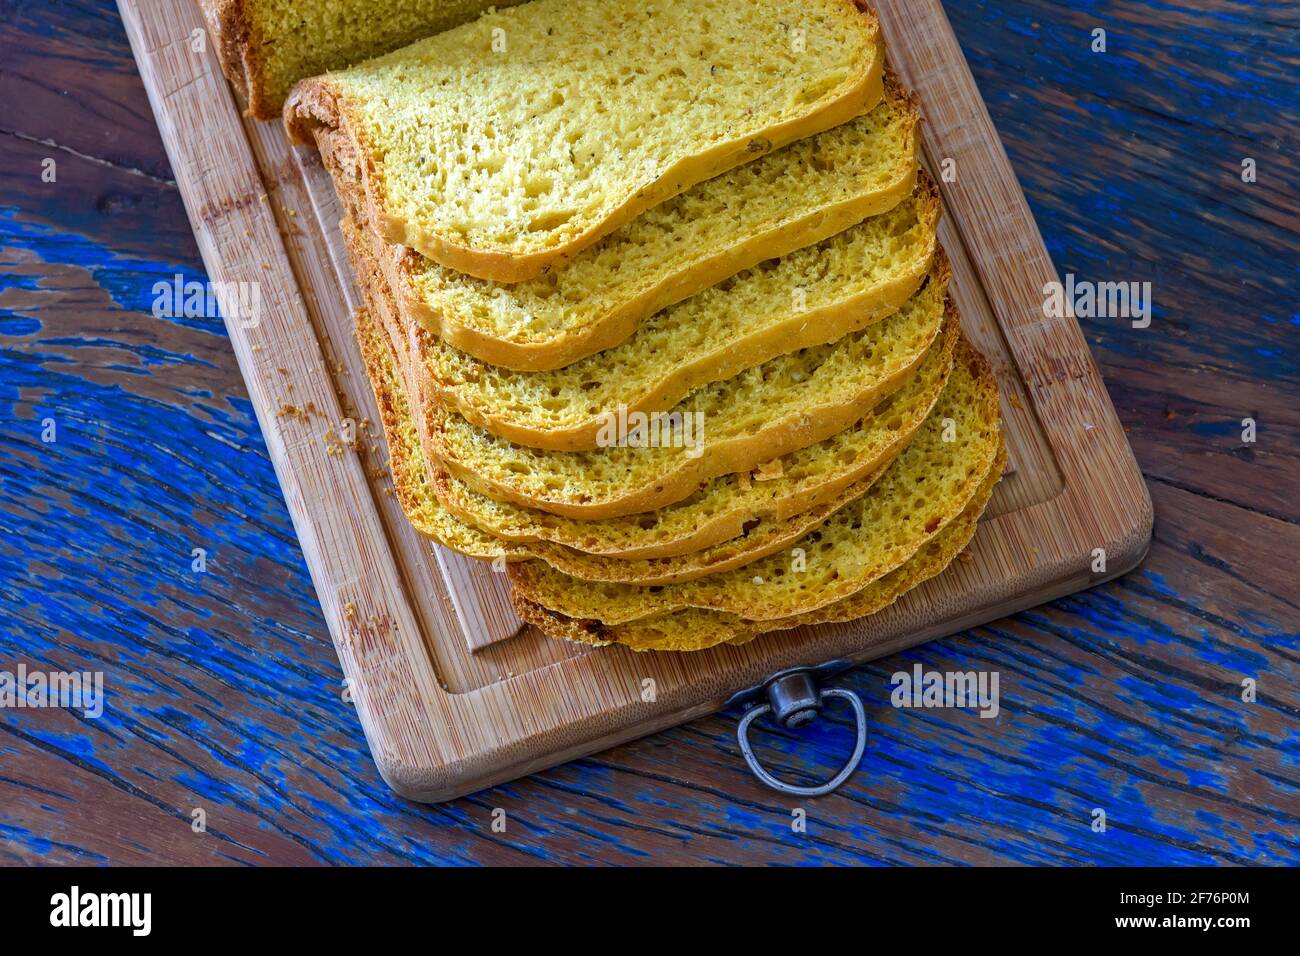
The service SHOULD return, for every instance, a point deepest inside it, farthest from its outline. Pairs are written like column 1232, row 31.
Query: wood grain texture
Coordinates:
column 437, row 728
column 1124, row 698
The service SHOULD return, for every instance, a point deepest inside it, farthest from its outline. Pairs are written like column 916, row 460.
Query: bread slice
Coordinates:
column 757, row 540
column 681, row 630
column 927, row 487
column 265, row 46
column 694, row 629
column 811, row 296
column 785, row 404
column 798, row 196
column 728, row 506
column 758, row 537
column 505, row 146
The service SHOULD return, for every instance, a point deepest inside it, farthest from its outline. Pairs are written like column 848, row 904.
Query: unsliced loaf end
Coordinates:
column 266, row 46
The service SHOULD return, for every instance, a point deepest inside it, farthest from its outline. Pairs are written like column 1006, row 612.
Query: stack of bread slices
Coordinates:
column 656, row 315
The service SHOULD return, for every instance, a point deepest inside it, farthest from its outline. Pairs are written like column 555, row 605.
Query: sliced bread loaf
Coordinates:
column 507, row 145
column 819, row 393
column 266, row 46
column 729, row 505
column 798, row 196
column 759, row 537
column 693, row 629
column 758, row 540
column 812, row 296
column 785, row 404
column 929, row 485
column 680, row 630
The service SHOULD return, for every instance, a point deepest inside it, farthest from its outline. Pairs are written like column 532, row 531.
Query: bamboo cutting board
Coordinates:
column 452, row 694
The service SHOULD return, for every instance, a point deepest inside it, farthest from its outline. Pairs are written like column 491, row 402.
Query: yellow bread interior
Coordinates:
column 796, row 197
column 505, row 146
column 694, row 629
column 729, row 505
column 810, row 297
column 929, row 484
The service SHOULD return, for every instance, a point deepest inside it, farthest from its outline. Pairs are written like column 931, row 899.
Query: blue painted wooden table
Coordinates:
column 222, row 689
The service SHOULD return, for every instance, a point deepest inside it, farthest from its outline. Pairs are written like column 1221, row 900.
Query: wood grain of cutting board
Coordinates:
column 453, row 695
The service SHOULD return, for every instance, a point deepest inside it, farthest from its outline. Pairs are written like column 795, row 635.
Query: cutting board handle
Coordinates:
column 794, row 699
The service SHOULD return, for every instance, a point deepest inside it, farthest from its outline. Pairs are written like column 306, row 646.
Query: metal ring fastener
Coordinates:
column 794, row 700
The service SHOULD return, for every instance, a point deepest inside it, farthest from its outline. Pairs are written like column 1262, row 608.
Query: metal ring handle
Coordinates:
column 860, row 716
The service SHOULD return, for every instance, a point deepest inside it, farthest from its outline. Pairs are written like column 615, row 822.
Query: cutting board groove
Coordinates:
column 453, row 695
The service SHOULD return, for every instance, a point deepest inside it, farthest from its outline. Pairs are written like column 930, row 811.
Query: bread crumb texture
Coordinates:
column 779, row 406
column 929, row 485
column 676, row 248
column 504, row 144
